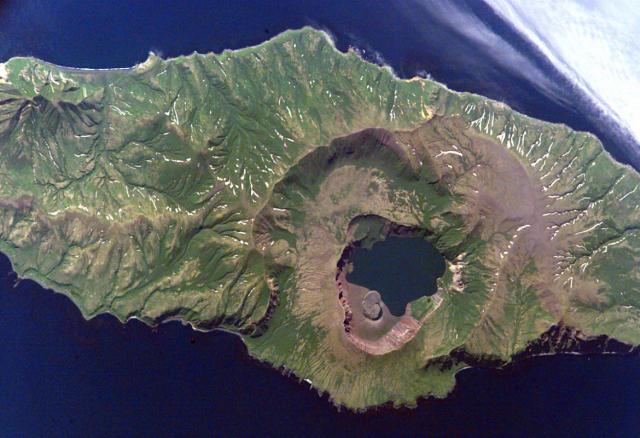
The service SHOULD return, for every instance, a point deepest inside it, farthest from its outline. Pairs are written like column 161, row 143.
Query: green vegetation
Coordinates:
column 220, row 189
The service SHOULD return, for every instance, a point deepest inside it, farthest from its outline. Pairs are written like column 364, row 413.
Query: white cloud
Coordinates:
column 594, row 43
column 461, row 20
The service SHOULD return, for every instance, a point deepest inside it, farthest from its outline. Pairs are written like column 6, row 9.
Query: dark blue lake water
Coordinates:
column 402, row 269
column 63, row 376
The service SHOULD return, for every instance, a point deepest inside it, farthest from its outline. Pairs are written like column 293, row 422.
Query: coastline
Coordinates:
column 155, row 323
column 343, row 410
column 332, row 42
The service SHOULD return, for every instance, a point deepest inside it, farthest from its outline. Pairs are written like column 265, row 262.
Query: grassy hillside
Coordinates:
column 219, row 189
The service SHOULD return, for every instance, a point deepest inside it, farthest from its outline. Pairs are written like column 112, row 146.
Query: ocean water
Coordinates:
column 63, row 376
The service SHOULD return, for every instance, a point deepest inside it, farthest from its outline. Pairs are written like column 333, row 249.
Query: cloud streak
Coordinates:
column 462, row 21
column 593, row 43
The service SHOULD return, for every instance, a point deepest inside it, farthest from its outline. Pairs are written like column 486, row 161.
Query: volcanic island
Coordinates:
column 224, row 190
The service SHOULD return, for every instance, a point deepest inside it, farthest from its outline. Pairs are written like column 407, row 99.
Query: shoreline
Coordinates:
column 154, row 323
column 350, row 51
column 480, row 363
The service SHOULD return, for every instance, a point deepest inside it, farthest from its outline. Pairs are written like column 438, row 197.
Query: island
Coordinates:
column 225, row 191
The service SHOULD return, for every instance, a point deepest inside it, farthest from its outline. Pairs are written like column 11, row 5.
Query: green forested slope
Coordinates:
column 219, row 189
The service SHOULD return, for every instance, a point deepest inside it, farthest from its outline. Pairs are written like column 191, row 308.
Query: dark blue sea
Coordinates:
column 62, row 376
